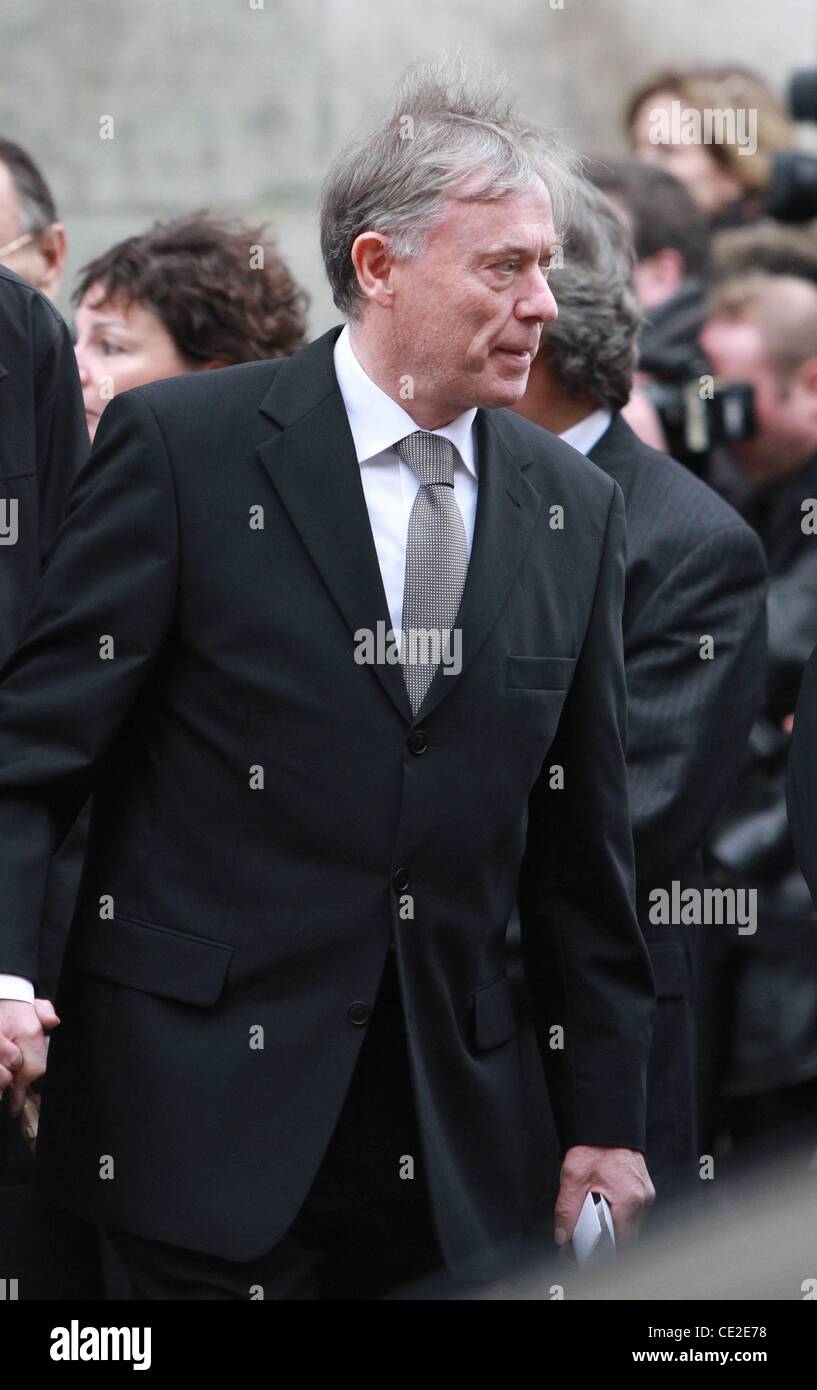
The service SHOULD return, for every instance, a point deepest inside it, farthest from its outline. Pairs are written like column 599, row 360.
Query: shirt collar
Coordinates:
column 377, row 421
column 588, row 431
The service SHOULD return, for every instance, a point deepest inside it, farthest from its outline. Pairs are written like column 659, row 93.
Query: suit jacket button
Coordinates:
column 358, row 1014
column 418, row 741
column 401, row 880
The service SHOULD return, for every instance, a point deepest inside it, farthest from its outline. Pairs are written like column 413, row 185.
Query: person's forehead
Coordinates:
column 739, row 342
column 525, row 217
column 116, row 313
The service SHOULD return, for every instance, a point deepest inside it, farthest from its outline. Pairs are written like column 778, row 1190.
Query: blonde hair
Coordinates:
column 718, row 88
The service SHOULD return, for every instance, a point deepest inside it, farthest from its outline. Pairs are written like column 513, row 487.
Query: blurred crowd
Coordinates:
column 688, row 303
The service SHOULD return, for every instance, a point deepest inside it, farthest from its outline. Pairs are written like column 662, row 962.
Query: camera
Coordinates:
column 695, row 422
column 793, row 183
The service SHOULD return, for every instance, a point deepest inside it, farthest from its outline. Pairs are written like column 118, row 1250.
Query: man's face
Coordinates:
column 468, row 311
column 785, row 413
column 119, row 346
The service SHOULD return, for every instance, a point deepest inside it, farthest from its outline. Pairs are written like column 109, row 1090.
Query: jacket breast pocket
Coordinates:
column 539, row 672
column 494, row 1021
column 156, row 960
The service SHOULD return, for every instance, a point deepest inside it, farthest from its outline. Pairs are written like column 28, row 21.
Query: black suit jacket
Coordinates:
column 694, row 568
column 43, row 444
column 237, row 905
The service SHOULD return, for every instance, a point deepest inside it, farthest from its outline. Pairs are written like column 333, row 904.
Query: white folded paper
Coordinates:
column 594, row 1229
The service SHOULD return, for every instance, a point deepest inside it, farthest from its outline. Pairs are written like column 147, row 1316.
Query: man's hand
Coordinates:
column 620, row 1175
column 23, row 1046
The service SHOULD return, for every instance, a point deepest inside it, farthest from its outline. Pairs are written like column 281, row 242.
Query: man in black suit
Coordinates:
column 694, row 571
column 43, row 443
column 287, row 1053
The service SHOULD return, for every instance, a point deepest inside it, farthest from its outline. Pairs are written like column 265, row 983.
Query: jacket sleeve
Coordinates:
column 98, row 619
column 801, row 789
column 691, row 705
column 588, row 973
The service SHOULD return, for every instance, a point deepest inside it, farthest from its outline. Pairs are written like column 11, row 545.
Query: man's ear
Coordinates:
column 373, row 261
column 52, row 245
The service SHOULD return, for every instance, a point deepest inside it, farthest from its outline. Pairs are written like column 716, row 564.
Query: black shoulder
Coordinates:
column 662, row 491
column 549, row 461
column 210, row 391
column 27, row 317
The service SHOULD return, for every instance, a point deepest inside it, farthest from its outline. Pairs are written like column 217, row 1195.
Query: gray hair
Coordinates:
column 592, row 347
column 448, row 125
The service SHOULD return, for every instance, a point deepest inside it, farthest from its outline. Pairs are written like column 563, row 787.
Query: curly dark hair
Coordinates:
column 216, row 283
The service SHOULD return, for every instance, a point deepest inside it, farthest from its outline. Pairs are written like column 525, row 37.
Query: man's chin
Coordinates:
column 505, row 391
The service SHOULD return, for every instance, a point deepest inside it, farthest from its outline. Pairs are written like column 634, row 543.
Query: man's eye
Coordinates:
column 109, row 348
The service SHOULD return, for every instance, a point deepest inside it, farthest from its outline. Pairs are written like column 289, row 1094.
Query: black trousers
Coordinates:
column 363, row 1230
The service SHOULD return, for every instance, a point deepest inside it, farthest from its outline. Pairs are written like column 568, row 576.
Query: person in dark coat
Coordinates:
column 285, row 987
column 694, row 569
column 43, row 444
column 762, row 1023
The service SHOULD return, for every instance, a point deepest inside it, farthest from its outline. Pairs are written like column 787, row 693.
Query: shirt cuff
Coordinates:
column 16, row 987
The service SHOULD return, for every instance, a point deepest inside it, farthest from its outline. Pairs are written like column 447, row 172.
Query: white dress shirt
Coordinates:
column 390, row 487
column 588, row 431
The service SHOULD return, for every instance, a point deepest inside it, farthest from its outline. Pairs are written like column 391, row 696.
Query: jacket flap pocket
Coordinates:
column 157, row 960
column 494, row 1020
column 540, row 672
column 669, row 968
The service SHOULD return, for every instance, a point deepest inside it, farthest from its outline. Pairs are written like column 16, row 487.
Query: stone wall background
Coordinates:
column 217, row 104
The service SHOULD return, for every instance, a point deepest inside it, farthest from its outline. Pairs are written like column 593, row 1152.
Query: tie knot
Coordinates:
column 430, row 456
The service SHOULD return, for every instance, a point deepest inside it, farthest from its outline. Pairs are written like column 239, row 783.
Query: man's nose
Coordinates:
column 551, row 308
column 539, row 304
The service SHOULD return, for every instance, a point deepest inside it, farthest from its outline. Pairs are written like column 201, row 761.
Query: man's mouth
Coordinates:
column 521, row 355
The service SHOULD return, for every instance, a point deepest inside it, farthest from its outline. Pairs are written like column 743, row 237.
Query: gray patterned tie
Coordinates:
column 436, row 560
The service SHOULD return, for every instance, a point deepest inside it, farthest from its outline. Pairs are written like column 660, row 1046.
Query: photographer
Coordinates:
column 731, row 182
column 761, row 1019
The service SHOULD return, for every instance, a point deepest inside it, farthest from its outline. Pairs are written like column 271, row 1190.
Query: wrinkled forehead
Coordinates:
column 521, row 219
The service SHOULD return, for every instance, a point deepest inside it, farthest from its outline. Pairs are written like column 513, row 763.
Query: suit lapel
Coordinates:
column 313, row 467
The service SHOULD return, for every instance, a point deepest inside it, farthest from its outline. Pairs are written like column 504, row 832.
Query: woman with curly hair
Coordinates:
column 197, row 292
